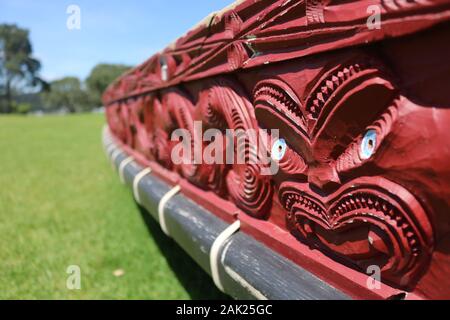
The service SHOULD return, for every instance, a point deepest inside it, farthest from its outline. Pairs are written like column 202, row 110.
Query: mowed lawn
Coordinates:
column 61, row 204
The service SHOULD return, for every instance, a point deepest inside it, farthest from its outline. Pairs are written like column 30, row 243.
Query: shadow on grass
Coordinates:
column 195, row 281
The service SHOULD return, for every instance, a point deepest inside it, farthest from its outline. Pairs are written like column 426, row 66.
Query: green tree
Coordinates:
column 100, row 77
column 18, row 69
column 66, row 93
column 21, row 108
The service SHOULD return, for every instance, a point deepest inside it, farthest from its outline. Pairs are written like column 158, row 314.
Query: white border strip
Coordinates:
column 122, row 166
column 105, row 134
column 215, row 250
column 244, row 284
column 162, row 204
column 239, row 279
column 114, row 155
column 109, row 148
column 136, row 180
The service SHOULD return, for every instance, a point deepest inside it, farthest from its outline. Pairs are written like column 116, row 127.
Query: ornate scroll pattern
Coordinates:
column 224, row 107
column 396, row 5
column 254, row 32
column 338, row 188
column 314, row 11
column 333, row 192
column 327, row 86
column 363, row 165
column 365, row 220
column 146, row 124
column 124, row 124
column 140, row 139
column 179, row 109
column 160, row 124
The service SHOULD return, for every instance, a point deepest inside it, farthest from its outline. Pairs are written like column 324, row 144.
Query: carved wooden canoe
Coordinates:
column 358, row 95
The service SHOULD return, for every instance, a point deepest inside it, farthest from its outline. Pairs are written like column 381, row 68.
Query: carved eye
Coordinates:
column 278, row 149
column 368, row 144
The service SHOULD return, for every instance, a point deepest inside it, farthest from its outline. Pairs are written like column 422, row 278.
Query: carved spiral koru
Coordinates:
column 224, row 106
column 180, row 110
column 159, row 126
column 140, row 139
column 112, row 114
column 126, row 126
column 118, row 123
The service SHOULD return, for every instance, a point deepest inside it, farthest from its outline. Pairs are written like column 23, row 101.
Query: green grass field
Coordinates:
column 61, row 204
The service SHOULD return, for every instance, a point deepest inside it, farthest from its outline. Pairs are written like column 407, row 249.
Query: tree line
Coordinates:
column 22, row 90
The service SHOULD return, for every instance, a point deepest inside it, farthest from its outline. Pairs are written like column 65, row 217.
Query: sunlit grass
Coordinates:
column 61, row 204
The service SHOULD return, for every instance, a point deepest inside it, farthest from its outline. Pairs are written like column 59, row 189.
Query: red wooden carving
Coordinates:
column 363, row 114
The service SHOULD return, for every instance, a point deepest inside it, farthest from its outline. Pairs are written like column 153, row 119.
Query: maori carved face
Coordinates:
column 350, row 179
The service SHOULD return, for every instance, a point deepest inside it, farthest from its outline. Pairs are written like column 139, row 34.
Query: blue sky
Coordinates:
column 111, row 31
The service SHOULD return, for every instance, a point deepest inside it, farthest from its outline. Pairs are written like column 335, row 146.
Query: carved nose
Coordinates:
column 324, row 177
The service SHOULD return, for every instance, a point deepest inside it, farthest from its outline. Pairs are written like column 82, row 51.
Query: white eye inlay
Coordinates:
column 368, row 144
column 164, row 69
column 278, row 149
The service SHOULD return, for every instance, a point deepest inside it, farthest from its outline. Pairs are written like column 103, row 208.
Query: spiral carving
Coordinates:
column 224, row 106
column 140, row 138
column 179, row 109
column 161, row 140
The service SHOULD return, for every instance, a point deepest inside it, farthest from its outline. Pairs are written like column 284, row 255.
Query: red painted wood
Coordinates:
column 342, row 200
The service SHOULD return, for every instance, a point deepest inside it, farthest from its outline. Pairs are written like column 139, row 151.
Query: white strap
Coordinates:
column 162, row 204
column 105, row 130
column 122, row 166
column 109, row 148
column 106, row 138
column 136, row 180
column 114, row 155
column 215, row 250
